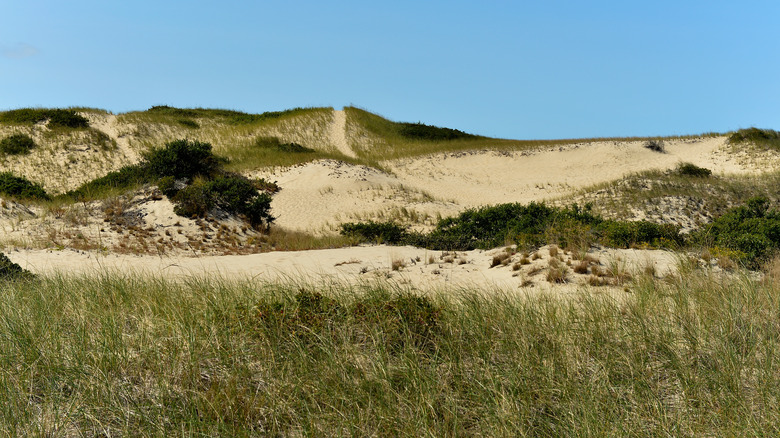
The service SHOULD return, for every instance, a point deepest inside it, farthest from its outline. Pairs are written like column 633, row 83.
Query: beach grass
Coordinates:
column 117, row 354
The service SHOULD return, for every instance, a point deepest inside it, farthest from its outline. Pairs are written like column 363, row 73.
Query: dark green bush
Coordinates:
column 21, row 188
column 182, row 159
column 12, row 271
column 16, row 144
column 655, row 145
column 56, row 117
column 752, row 229
column 688, row 169
column 625, row 234
column 167, row 186
column 420, row 131
column 375, row 232
column 760, row 137
column 232, row 193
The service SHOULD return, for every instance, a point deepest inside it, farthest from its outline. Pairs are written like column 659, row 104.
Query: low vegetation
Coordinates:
column 689, row 169
column 765, row 138
column 55, row 118
column 21, row 188
column 229, row 116
column 10, row 271
column 528, row 226
column 193, row 178
column 16, row 144
column 124, row 355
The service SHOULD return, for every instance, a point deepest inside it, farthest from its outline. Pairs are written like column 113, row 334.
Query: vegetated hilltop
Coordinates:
column 69, row 171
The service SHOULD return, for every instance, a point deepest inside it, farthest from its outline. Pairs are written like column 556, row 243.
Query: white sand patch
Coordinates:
column 338, row 133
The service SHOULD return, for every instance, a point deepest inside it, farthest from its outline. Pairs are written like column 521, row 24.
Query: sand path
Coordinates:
column 338, row 133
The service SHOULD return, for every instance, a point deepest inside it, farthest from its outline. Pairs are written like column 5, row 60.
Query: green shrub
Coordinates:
column 233, row 194
column 760, row 137
column 17, row 144
column 689, row 169
column 626, row 234
column 230, row 116
column 182, row 159
column 12, row 271
column 752, row 229
column 21, row 188
column 420, row 131
column 56, row 117
column 375, row 232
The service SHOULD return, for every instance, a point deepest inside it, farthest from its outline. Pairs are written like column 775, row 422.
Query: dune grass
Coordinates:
column 113, row 354
column 377, row 138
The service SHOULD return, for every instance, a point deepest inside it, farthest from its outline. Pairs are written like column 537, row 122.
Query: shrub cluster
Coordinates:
column 753, row 230
column 761, row 137
column 528, row 226
column 21, row 188
column 56, row 117
column 12, row 271
column 421, row 131
column 16, row 144
column 190, row 175
column 689, row 169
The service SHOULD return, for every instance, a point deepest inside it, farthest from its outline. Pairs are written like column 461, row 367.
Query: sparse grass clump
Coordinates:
column 21, row 188
column 276, row 144
column 17, row 144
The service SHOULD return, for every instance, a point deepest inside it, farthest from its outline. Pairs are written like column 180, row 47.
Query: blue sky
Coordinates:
column 511, row 69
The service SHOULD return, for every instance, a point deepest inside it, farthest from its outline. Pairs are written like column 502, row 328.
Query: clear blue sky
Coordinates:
column 512, row 69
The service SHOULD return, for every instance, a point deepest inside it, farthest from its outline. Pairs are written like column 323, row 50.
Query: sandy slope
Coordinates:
column 416, row 268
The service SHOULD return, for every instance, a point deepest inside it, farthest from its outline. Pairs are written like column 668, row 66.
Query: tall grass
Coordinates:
column 112, row 354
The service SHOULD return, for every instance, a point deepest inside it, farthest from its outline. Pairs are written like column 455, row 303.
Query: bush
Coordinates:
column 375, row 232
column 420, row 131
column 56, row 117
column 760, row 137
column 189, row 123
column 233, row 194
column 625, row 234
column 182, row 159
column 688, row 169
column 17, row 144
column 752, row 229
column 656, row 145
column 12, row 271
column 21, row 188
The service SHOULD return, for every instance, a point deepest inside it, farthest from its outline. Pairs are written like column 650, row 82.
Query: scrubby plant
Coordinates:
column 420, row 131
column 56, row 117
column 375, row 232
column 760, row 137
column 182, row 159
column 689, row 169
column 21, row 188
column 17, row 144
column 752, row 231
column 655, row 146
column 12, row 271
column 189, row 123
column 626, row 234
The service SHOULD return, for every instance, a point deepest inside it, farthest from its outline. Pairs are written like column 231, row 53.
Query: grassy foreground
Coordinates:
column 116, row 355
